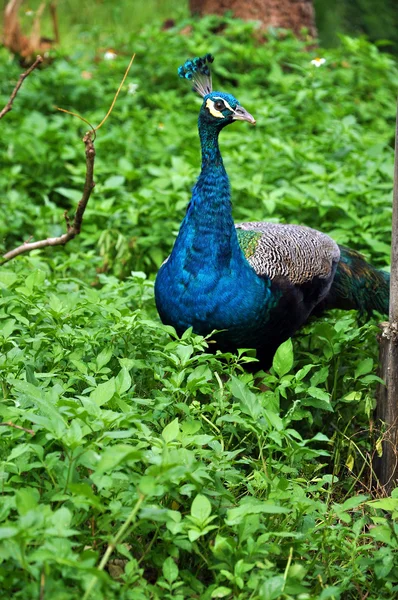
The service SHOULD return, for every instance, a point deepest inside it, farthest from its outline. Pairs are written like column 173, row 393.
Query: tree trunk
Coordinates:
column 386, row 466
column 288, row 14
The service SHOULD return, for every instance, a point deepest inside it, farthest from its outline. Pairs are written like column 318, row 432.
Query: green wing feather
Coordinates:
column 248, row 241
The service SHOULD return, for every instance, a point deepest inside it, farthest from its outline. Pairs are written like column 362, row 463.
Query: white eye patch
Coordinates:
column 213, row 111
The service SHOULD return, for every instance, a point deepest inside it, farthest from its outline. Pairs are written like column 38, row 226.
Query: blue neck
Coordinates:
column 207, row 235
column 207, row 283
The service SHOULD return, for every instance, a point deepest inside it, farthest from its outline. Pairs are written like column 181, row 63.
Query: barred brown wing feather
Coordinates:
column 293, row 251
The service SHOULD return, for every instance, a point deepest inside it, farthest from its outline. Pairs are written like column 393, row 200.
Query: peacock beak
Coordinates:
column 241, row 114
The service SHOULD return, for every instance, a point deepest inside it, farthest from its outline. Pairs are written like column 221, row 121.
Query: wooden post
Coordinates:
column 386, row 467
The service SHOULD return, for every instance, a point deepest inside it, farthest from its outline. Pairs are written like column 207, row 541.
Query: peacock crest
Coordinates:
column 197, row 71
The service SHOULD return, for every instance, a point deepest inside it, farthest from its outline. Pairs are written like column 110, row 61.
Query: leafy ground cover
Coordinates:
column 147, row 467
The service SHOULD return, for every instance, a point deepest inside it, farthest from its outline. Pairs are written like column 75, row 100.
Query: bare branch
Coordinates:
column 11, row 424
column 74, row 229
column 21, row 79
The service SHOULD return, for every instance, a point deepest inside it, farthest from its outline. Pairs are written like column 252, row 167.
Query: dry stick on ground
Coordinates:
column 74, row 229
column 386, row 466
column 21, row 79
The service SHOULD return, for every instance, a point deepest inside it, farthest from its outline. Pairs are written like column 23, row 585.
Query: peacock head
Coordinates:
column 218, row 108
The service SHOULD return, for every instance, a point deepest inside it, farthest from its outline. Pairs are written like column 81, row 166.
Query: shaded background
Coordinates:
column 377, row 19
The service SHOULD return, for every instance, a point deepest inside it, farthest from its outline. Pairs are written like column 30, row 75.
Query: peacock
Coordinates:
column 254, row 283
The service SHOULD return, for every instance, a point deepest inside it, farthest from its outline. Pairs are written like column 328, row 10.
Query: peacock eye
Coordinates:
column 219, row 105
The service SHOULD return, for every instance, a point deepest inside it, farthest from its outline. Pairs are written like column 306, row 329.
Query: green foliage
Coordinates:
column 357, row 17
column 209, row 482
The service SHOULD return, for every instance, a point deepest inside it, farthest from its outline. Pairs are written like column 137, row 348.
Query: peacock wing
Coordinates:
column 293, row 252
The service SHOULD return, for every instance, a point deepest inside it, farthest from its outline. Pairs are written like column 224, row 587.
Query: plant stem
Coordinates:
column 114, row 543
column 289, row 562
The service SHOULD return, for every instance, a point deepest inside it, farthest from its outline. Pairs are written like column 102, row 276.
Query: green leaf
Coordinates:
column 283, row 359
column 322, row 399
column 114, row 182
column 8, row 532
column 103, row 392
column 7, row 279
column 272, row 588
column 194, row 534
column 201, row 508
column 62, row 518
column 249, row 403
column 330, row 593
column 45, row 403
column 371, row 379
column 26, row 499
column 170, row 570
column 84, row 490
column 171, row 431
column 319, row 394
column 303, row 372
column 221, row 592
column 115, row 455
column 7, row 327
column 35, row 279
column 364, row 367
column 390, row 504
column 19, row 451
column 200, row 374
column 150, row 486
column 69, row 193
column 353, row 502
column 235, row 516
column 103, row 358
column 352, row 397
column 123, row 381
column 382, row 533
column 382, row 569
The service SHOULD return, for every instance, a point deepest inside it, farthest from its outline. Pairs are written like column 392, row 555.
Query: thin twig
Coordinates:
column 111, row 106
column 42, row 584
column 11, row 424
column 69, row 112
column 74, row 229
column 114, row 543
column 117, row 93
column 21, row 79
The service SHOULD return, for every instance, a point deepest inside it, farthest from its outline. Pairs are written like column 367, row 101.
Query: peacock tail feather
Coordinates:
column 358, row 285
